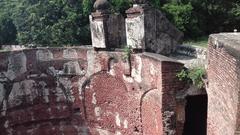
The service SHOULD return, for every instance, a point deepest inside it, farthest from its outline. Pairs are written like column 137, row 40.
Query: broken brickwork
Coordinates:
column 82, row 91
column 98, row 90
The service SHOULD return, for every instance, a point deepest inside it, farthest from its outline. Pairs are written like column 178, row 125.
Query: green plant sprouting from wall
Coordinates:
column 194, row 75
column 127, row 52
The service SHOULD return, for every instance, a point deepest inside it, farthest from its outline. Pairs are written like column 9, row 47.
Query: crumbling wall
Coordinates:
column 223, row 88
column 82, row 91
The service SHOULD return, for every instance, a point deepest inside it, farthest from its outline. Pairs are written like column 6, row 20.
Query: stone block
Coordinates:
column 107, row 30
column 148, row 29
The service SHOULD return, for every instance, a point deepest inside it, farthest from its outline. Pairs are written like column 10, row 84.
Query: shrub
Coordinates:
column 194, row 76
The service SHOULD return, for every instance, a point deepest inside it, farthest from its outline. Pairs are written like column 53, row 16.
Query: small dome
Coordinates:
column 140, row 1
column 101, row 5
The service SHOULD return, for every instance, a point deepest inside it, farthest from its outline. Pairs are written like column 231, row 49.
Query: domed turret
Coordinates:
column 101, row 5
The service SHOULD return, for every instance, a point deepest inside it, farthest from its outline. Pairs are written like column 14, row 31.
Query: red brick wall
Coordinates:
column 170, row 86
column 152, row 121
column 222, row 89
column 81, row 91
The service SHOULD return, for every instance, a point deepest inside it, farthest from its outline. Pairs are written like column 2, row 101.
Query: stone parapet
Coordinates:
column 107, row 30
column 148, row 29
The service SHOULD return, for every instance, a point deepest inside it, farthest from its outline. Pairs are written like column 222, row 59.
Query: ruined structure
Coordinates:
column 92, row 90
column 103, row 90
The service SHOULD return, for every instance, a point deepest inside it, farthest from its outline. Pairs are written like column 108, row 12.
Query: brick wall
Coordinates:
column 223, row 88
column 82, row 91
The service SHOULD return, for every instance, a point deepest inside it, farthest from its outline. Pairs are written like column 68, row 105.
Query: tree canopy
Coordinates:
column 65, row 22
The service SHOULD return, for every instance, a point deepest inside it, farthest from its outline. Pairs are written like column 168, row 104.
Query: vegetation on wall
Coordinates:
column 65, row 22
column 193, row 76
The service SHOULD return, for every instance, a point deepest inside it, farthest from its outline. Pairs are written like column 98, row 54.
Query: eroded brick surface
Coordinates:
column 223, row 85
column 80, row 91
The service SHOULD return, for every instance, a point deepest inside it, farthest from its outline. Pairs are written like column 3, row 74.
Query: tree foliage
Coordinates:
column 120, row 5
column 52, row 22
column 64, row 22
column 7, row 28
column 182, row 16
column 193, row 76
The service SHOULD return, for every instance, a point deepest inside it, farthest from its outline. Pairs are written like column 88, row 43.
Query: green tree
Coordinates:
column 182, row 16
column 120, row 5
column 215, row 15
column 7, row 28
column 52, row 22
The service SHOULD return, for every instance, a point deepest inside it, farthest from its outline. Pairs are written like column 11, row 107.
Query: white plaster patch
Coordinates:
column 6, row 124
column 45, row 91
column 51, row 71
column 135, row 32
column 14, row 93
column 43, row 75
column 73, row 67
column 118, row 133
column 58, row 107
column 118, row 120
column 128, row 79
column 80, row 85
column 167, row 122
column 32, row 116
column 94, row 100
column 46, row 99
column 93, row 65
column 125, row 124
column 49, row 110
column 67, row 84
column 82, row 130
column 136, row 72
column 153, row 71
column 44, row 55
column 59, row 95
column 23, row 89
column 70, row 53
column 102, row 132
column 112, row 72
column 64, row 107
column 10, row 131
column 30, row 131
column 97, row 33
column 97, row 111
column 17, row 65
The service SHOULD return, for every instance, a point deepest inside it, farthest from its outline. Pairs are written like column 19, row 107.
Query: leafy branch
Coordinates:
column 194, row 76
column 127, row 52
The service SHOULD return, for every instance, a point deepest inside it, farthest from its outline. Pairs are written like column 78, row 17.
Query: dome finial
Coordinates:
column 101, row 5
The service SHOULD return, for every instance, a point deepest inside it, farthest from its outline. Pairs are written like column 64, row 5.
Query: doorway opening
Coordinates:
column 196, row 115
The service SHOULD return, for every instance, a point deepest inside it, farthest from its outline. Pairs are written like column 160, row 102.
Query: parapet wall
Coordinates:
column 81, row 91
column 223, row 86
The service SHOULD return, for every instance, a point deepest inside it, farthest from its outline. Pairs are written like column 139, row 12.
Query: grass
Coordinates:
column 200, row 42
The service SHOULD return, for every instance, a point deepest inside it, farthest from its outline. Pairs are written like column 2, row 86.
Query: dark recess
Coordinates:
column 196, row 115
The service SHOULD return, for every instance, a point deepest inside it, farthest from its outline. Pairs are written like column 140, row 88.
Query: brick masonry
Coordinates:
column 81, row 91
column 223, row 84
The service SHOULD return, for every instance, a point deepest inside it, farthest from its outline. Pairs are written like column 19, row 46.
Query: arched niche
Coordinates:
column 151, row 114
